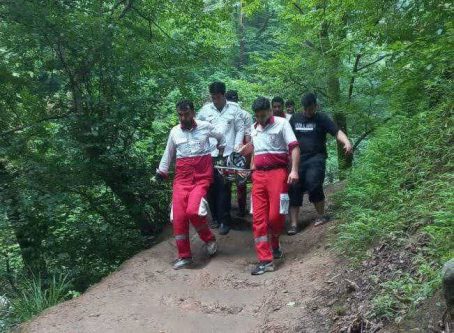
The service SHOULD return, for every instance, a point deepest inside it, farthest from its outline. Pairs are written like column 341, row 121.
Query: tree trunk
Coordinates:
column 241, row 37
column 334, row 98
column 29, row 234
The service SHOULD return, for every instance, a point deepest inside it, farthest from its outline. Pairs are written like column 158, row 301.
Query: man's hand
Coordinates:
column 157, row 178
column 292, row 177
column 246, row 149
column 221, row 150
column 348, row 149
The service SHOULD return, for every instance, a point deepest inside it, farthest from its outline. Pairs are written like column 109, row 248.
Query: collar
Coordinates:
column 215, row 108
column 270, row 121
column 194, row 125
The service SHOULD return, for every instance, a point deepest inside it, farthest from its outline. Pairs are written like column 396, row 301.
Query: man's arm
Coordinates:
column 220, row 137
column 295, row 160
column 343, row 139
column 239, row 129
column 167, row 157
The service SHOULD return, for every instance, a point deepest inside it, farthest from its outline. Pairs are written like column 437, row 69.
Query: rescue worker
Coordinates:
column 189, row 143
column 227, row 118
column 277, row 103
column 273, row 141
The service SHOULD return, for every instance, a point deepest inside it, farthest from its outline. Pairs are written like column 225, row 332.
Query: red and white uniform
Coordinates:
column 272, row 146
column 193, row 176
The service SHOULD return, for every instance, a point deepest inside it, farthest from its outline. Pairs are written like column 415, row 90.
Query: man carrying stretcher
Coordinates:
column 189, row 143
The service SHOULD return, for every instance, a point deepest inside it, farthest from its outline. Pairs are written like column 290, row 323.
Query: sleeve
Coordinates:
column 213, row 133
column 289, row 136
column 247, row 123
column 329, row 125
column 239, row 128
column 167, row 157
column 201, row 114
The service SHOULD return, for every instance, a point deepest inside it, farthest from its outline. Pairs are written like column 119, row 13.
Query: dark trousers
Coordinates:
column 219, row 199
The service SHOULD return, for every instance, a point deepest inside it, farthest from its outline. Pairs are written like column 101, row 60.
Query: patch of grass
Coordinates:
column 401, row 189
column 35, row 295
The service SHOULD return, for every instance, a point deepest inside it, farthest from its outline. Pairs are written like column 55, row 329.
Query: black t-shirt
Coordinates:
column 311, row 133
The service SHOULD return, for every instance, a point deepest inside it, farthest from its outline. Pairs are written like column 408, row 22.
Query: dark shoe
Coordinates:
column 224, row 229
column 292, row 230
column 182, row 263
column 213, row 224
column 278, row 253
column 263, row 267
column 321, row 220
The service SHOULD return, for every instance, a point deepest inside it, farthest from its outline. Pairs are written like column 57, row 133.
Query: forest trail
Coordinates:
column 219, row 295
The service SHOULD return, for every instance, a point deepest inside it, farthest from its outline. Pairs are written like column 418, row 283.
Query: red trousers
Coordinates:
column 267, row 187
column 188, row 201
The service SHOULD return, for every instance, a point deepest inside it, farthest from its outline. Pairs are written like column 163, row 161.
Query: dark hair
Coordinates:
column 309, row 100
column 185, row 105
column 261, row 103
column 277, row 99
column 217, row 87
column 289, row 103
column 232, row 95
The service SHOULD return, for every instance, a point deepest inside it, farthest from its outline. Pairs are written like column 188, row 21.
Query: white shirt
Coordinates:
column 189, row 143
column 272, row 143
column 228, row 121
column 247, row 119
column 288, row 116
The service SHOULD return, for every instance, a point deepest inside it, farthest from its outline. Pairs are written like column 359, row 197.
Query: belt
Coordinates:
column 271, row 167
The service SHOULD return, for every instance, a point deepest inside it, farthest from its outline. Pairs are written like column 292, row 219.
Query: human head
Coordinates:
column 186, row 114
column 217, row 92
column 262, row 110
column 309, row 102
column 277, row 104
column 290, row 107
column 232, row 96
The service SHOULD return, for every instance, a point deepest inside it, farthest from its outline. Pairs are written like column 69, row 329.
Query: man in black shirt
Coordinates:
column 310, row 129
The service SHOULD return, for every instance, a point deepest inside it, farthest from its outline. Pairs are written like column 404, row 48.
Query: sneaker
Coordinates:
column 292, row 230
column 213, row 224
column 278, row 253
column 224, row 229
column 321, row 220
column 212, row 248
column 263, row 267
column 182, row 263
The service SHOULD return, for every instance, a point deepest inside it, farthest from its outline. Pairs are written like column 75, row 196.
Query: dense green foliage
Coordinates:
column 87, row 97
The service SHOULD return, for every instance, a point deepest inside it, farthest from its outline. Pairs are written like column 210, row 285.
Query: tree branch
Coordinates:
column 352, row 79
column 20, row 128
column 367, row 133
column 374, row 62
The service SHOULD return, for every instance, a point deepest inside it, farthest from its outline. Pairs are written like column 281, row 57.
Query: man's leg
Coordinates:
column 180, row 220
column 315, row 176
column 296, row 192
column 241, row 190
column 222, row 205
column 260, row 206
column 196, row 211
column 276, row 186
column 212, row 199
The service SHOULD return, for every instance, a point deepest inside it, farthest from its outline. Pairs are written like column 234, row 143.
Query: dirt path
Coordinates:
column 218, row 295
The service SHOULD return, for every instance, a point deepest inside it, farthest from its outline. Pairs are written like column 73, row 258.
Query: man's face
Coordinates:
column 218, row 100
column 186, row 117
column 310, row 110
column 278, row 109
column 262, row 116
column 290, row 109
